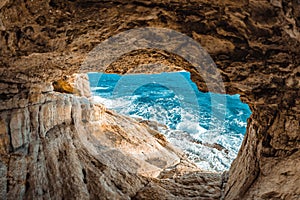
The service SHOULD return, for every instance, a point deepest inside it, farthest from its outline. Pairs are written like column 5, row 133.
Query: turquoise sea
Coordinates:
column 208, row 127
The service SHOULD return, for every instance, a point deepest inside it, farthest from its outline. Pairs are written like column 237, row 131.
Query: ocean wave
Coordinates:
column 99, row 88
column 118, row 104
column 210, row 136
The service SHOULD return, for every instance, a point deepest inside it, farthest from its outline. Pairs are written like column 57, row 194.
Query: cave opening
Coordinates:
column 208, row 127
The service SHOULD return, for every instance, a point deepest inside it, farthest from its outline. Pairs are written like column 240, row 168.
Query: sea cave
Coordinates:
column 58, row 142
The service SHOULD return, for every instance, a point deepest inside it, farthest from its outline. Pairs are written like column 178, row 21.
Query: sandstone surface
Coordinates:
column 54, row 143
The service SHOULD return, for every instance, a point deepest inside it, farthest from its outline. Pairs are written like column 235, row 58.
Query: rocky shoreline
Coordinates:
column 48, row 145
column 108, row 155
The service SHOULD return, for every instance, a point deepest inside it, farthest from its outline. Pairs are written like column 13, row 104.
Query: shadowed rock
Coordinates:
column 52, row 144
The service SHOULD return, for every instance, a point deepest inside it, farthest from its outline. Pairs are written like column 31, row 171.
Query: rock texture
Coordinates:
column 58, row 146
column 255, row 45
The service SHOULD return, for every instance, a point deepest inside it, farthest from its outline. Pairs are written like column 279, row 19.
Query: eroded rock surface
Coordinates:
column 255, row 45
column 56, row 146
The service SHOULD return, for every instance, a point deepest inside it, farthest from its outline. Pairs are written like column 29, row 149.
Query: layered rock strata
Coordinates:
column 56, row 145
column 255, row 45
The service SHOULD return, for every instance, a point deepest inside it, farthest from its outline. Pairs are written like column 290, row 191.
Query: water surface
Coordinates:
column 208, row 127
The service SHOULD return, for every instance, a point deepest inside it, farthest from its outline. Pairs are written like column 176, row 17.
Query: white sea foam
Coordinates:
column 240, row 123
column 202, row 134
column 187, row 132
column 99, row 88
column 119, row 104
column 98, row 99
column 206, row 157
column 190, row 127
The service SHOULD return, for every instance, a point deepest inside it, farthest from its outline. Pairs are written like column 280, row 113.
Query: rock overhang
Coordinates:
column 255, row 45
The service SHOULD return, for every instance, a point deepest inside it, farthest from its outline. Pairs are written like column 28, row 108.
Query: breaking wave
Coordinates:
column 208, row 127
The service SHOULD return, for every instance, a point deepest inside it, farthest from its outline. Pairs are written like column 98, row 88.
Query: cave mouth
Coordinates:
column 208, row 127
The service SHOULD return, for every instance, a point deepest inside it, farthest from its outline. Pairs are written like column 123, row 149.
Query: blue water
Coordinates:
column 192, row 120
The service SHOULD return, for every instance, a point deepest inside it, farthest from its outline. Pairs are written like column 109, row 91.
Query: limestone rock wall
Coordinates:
column 255, row 45
column 62, row 146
